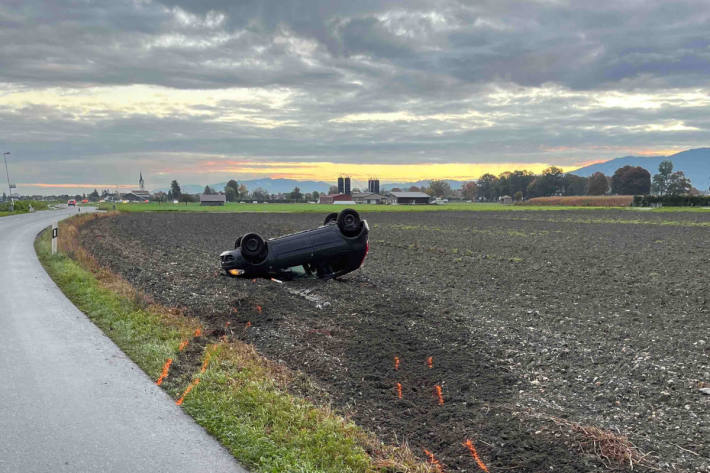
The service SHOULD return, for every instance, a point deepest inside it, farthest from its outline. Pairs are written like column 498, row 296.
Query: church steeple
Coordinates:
column 141, row 183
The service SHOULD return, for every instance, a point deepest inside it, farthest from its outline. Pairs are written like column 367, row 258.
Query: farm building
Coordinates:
column 506, row 199
column 212, row 199
column 136, row 196
column 408, row 198
column 367, row 198
column 332, row 198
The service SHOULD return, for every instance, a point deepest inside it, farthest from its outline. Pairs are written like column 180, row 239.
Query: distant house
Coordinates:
column 408, row 198
column 212, row 199
column 136, row 196
column 332, row 198
column 506, row 199
column 367, row 198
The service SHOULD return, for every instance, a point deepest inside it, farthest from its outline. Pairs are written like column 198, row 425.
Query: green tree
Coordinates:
column 469, row 190
column 519, row 181
column 487, row 187
column 296, row 194
column 518, row 196
column 438, row 188
column 574, row 185
column 231, row 190
column 598, row 184
column 94, row 196
column 231, row 194
column 315, row 195
column 208, row 190
column 260, row 194
column 243, row 191
column 175, row 190
column 631, row 180
column 661, row 180
column 332, row 190
column 678, row 184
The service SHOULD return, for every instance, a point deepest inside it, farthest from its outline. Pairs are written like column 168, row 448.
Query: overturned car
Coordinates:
column 337, row 247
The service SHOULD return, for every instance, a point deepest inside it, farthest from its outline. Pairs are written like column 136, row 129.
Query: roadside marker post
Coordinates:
column 55, row 233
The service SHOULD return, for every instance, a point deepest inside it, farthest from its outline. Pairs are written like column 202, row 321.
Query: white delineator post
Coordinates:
column 55, row 233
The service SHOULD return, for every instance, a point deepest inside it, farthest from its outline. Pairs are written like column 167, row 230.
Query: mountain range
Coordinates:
column 695, row 164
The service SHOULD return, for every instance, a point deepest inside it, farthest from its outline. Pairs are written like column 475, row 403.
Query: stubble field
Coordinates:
column 538, row 327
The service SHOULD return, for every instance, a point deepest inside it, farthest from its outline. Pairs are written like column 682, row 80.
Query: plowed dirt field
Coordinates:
column 539, row 326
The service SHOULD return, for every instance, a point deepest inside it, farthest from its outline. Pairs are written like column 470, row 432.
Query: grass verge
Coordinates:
column 240, row 397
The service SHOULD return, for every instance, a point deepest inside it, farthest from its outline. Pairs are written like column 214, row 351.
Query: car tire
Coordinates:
column 237, row 242
column 253, row 248
column 332, row 217
column 349, row 222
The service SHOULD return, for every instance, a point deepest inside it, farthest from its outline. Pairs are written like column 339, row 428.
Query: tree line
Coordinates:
column 519, row 185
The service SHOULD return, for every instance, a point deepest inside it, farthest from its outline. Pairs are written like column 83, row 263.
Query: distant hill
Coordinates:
column 695, row 163
column 407, row 185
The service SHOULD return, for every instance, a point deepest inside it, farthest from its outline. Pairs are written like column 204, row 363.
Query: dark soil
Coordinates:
column 599, row 318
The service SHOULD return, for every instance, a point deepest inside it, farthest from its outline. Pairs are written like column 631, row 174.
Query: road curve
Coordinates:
column 71, row 400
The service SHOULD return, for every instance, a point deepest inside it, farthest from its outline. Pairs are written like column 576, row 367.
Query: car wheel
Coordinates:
column 332, row 217
column 253, row 248
column 237, row 242
column 349, row 222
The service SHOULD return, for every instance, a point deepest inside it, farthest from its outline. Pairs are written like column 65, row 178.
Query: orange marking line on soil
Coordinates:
column 439, row 395
column 430, row 362
column 248, row 324
column 187, row 391
column 399, row 390
column 396, row 362
column 468, row 444
column 198, row 332
column 164, row 374
column 183, row 344
column 434, row 461
column 258, row 309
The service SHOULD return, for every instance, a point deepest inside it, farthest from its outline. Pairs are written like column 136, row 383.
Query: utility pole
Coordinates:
column 9, row 186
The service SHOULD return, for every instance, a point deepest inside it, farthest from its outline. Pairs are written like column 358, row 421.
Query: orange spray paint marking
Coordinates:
column 399, row 390
column 396, row 362
column 183, row 344
column 198, row 332
column 248, row 325
column 235, row 310
column 187, row 391
column 164, row 374
column 468, row 444
column 430, row 362
column 434, row 461
column 205, row 363
column 258, row 309
column 439, row 395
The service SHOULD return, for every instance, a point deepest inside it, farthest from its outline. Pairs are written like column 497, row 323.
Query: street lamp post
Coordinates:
column 9, row 186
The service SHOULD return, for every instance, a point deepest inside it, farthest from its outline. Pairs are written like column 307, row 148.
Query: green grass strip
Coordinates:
column 141, row 334
column 266, row 428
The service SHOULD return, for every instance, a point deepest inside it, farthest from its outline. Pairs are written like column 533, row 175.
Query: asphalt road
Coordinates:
column 70, row 400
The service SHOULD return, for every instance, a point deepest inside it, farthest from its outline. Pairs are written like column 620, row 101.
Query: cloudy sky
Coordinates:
column 92, row 92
